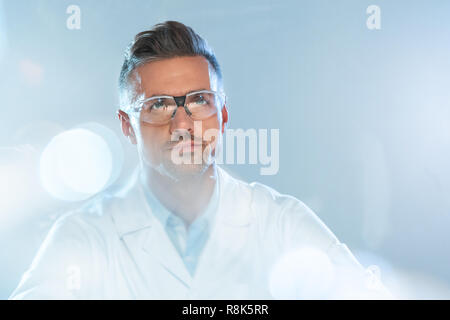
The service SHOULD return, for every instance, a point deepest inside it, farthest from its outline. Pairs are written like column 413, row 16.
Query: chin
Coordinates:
column 177, row 171
column 185, row 171
column 192, row 167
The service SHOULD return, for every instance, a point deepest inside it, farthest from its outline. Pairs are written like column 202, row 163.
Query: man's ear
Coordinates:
column 224, row 117
column 127, row 128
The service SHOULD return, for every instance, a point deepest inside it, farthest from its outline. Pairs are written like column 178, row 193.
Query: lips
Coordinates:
column 187, row 146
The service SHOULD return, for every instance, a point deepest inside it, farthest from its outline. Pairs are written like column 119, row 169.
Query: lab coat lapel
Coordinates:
column 145, row 237
column 158, row 245
column 158, row 263
column 230, row 234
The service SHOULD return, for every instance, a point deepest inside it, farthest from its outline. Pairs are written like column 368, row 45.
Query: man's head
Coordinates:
column 171, row 60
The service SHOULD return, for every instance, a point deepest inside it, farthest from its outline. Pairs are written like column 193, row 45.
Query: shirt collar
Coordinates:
column 167, row 218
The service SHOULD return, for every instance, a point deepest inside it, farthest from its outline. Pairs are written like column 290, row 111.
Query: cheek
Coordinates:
column 154, row 138
column 211, row 130
column 210, row 124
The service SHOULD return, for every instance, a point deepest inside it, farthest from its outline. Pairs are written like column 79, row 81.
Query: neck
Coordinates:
column 186, row 198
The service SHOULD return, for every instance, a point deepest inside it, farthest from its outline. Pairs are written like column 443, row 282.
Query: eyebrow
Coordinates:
column 165, row 94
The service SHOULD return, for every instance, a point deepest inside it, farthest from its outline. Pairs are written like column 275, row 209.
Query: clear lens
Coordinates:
column 202, row 105
column 158, row 110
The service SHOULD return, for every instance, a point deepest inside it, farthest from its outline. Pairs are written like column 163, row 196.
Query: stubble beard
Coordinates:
column 195, row 166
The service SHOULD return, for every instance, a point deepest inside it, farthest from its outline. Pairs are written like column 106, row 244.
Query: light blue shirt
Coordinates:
column 190, row 241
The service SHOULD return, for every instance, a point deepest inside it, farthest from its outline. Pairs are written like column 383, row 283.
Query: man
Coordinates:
column 183, row 228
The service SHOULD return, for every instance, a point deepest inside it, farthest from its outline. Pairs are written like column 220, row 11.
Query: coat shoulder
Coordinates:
column 91, row 214
column 288, row 219
column 270, row 196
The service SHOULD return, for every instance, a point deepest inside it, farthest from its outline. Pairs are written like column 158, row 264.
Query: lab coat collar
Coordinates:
column 132, row 211
column 129, row 212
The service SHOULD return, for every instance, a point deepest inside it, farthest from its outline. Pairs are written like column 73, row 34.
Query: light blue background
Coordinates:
column 364, row 115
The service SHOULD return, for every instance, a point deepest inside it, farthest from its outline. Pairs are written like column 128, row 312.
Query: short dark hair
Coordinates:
column 168, row 39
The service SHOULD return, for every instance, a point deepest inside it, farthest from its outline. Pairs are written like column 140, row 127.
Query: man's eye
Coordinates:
column 158, row 105
column 200, row 100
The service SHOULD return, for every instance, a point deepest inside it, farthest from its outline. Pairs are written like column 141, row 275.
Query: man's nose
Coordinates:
column 181, row 120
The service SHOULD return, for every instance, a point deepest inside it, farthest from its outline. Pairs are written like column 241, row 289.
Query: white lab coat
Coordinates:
column 114, row 248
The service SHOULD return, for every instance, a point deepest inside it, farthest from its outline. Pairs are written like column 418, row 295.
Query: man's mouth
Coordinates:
column 186, row 146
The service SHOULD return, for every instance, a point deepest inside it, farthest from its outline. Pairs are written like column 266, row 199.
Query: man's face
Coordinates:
column 159, row 146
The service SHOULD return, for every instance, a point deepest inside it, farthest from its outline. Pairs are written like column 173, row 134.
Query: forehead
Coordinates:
column 174, row 76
